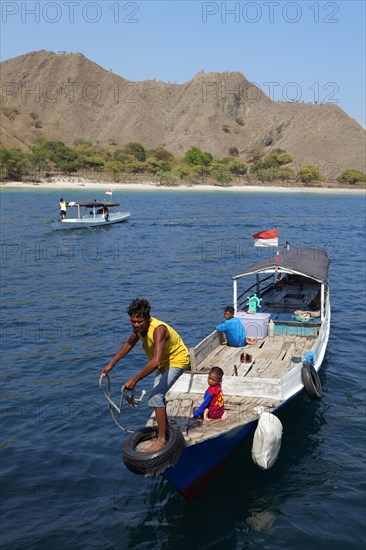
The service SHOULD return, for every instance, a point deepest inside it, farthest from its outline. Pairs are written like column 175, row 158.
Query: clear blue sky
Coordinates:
column 312, row 51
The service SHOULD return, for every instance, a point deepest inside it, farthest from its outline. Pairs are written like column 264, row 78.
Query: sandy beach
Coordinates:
column 153, row 186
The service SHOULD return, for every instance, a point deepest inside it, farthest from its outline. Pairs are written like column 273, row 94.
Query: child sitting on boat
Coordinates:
column 212, row 407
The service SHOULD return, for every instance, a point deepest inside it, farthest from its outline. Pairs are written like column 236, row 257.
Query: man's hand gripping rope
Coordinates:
column 130, row 400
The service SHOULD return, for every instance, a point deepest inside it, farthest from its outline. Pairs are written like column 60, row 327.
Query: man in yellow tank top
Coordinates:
column 166, row 353
column 62, row 215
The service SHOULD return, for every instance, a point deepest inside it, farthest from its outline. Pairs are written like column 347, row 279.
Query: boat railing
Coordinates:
column 268, row 388
column 203, row 349
column 244, row 303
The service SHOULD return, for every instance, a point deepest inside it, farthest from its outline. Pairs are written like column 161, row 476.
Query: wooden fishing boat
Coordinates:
column 90, row 214
column 264, row 376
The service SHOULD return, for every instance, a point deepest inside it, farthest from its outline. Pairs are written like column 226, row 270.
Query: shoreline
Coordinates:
column 153, row 186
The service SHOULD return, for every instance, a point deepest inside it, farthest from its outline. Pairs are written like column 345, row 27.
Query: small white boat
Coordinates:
column 259, row 378
column 90, row 214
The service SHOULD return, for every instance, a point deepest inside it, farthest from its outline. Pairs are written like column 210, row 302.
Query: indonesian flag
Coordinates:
column 109, row 192
column 266, row 238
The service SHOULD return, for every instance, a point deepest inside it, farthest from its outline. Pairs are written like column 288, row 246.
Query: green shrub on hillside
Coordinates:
column 237, row 168
column 92, row 162
column 275, row 174
column 166, row 177
column 121, row 156
column 274, row 159
column 160, row 154
column 38, row 160
column 113, row 167
column 135, row 150
column 83, row 142
column 285, row 173
column 14, row 163
column 308, row 173
column 153, row 166
column 196, row 166
column 222, row 176
column 255, row 153
column 352, row 176
column 194, row 156
column 65, row 159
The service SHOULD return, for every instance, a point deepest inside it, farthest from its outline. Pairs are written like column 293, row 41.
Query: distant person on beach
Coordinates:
column 212, row 406
column 62, row 209
column 232, row 328
column 166, row 354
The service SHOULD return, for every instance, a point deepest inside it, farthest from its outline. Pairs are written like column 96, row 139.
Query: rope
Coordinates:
column 130, row 400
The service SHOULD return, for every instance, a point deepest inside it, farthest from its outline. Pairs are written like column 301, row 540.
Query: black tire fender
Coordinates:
column 152, row 464
column 311, row 381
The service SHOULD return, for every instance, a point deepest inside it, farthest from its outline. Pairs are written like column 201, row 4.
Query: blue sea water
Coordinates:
column 64, row 300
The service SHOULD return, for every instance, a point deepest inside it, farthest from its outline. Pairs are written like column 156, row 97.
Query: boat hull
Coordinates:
column 199, row 464
column 89, row 221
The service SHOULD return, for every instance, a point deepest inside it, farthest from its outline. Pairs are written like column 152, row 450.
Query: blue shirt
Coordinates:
column 234, row 331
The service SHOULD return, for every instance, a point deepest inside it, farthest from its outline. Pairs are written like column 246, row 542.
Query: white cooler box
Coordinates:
column 255, row 324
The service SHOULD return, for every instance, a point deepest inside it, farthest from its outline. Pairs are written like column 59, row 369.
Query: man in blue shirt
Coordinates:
column 233, row 329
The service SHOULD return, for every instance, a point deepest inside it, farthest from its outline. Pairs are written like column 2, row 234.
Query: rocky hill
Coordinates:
column 66, row 96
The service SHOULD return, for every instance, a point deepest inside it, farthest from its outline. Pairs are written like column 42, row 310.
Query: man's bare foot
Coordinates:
column 156, row 446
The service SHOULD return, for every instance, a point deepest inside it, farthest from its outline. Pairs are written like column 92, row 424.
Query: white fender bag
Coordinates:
column 267, row 440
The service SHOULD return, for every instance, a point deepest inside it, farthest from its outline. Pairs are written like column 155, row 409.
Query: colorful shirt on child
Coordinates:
column 213, row 399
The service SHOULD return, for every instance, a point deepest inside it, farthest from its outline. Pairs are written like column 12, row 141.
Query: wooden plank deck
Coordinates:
column 248, row 385
column 240, row 410
column 270, row 357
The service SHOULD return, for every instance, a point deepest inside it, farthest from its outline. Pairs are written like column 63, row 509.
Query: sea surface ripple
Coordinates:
column 64, row 300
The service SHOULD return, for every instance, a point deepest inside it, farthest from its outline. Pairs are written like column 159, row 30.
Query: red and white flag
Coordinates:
column 266, row 238
column 109, row 192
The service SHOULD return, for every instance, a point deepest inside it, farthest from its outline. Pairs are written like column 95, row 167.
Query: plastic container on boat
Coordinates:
column 255, row 324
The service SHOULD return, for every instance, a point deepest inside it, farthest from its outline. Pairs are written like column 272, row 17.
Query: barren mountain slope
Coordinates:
column 66, row 96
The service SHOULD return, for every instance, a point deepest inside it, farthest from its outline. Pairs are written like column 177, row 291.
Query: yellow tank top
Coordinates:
column 175, row 353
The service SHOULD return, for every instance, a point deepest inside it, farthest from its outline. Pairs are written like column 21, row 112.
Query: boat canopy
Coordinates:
column 310, row 262
column 91, row 204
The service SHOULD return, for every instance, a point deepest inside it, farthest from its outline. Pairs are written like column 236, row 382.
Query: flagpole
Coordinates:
column 269, row 238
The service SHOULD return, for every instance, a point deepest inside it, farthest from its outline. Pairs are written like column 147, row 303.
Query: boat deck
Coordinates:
column 240, row 410
column 289, row 298
column 246, row 385
column 271, row 359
